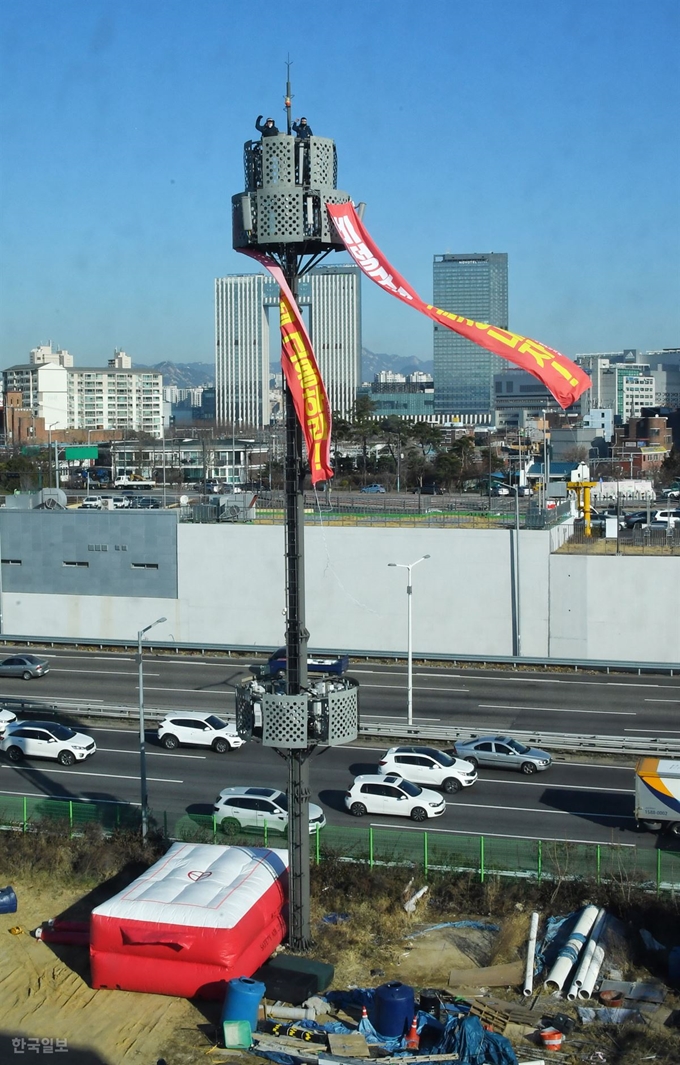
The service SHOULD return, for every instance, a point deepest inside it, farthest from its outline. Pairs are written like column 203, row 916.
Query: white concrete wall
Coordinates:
column 231, row 590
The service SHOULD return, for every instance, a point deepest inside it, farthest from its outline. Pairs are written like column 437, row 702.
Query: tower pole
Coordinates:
column 299, row 927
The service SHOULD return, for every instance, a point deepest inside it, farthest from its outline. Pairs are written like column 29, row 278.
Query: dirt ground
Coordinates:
column 45, row 992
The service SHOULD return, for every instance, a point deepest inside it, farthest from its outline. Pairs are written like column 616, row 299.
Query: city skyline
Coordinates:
column 555, row 138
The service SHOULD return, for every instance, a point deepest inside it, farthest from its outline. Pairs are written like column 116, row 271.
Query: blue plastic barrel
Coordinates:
column 242, row 1000
column 393, row 1009
column 8, row 900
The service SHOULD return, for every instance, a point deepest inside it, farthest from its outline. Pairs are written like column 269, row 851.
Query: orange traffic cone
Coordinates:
column 364, row 1013
column 413, row 1039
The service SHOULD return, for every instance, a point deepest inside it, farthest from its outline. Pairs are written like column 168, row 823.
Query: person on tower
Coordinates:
column 303, row 131
column 267, row 129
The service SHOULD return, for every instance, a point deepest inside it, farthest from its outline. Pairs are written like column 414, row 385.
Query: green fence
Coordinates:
column 482, row 856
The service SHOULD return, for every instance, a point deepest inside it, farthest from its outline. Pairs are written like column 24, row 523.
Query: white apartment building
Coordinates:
column 69, row 397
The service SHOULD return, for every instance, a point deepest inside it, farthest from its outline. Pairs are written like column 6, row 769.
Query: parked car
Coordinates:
column 194, row 729
column 120, row 502
column 91, row 503
column 500, row 490
column 502, row 752
column 213, row 486
column 524, row 490
column 28, row 667
column 427, row 765
column 242, row 807
column 640, row 519
column 671, row 493
column 428, row 490
column 148, row 503
column 7, row 717
column 392, row 795
column 373, row 488
column 46, row 739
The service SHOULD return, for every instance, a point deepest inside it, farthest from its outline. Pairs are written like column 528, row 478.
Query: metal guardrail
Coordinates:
column 662, row 746
column 595, row 665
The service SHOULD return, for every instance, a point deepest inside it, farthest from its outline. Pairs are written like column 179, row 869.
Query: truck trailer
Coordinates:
column 657, row 794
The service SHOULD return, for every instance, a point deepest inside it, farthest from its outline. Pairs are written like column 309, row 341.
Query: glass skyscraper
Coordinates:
column 475, row 286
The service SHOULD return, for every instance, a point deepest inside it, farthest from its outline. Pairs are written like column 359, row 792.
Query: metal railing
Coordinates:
column 647, row 745
column 432, row 850
column 375, row 655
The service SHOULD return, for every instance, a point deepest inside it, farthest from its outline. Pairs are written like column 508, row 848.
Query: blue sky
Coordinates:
column 549, row 130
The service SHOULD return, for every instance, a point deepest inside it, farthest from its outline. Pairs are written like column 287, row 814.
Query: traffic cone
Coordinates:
column 413, row 1039
column 364, row 1013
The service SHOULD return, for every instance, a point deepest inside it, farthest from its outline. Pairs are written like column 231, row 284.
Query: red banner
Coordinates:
column 302, row 375
column 563, row 378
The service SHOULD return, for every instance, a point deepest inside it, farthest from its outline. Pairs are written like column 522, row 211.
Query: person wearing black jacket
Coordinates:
column 302, row 129
column 267, row 129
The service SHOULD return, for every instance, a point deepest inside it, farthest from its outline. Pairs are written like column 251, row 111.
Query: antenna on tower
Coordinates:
column 289, row 96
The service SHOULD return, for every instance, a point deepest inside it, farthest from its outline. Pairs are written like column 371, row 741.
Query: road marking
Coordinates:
column 570, row 787
column 101, row 776
column 654, row 731
column 416, row 687
column 150, row 753
column 541, row 810
column 193, row 691
column 557, row 710
column 662, row 700
column 399, row 720
column 103, row 672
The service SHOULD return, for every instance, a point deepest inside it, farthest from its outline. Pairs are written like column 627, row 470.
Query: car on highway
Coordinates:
column 427, row 765
column 243, row 807
column 338, row 664
column 503, row 752
column 46, row 739
column 7, row 717
column 194, row 729
column 391, row 794
column 28, row 667
column 374, row 488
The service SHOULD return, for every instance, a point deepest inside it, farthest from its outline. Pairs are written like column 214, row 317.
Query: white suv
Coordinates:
column 391, row 794
column 237, row 808
column 7, row 717
column 427, row 765
column 198, row 730
column 46, row 739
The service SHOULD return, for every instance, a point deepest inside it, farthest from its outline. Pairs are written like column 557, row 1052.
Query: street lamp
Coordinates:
column 142, row 738
column 518, row 633
column 49, row 454
column 409, row 593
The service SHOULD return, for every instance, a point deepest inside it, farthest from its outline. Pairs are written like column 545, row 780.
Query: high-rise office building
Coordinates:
column 241, row 350
column 335, row 330
column 475, row 286
column 242, row 305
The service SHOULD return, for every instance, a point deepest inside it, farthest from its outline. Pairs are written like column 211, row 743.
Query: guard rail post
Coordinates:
column 598, row 860
column 70, row 819
column 425, row 853
column 25, row 813
column 539, row 860
column 481, row 859
column 658, row 872
column 370, row 846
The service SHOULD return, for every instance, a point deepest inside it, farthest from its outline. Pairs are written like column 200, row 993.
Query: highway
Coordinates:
column 578, row 798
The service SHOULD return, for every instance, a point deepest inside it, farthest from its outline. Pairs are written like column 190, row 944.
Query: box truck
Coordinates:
column 657, row 794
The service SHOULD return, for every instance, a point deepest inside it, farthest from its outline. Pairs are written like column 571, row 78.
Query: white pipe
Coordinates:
column 291, row 1013
column 586, row 988
column 587, row 955
column 531, row 953
column 571, row 950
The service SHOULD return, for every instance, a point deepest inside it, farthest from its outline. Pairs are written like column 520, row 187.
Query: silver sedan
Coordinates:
column 26, row 666
column 502, row 752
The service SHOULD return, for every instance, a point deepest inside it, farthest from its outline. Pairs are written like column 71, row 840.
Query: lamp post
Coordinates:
column 517, row 650
column 142, row 738
column 49, row 453
column 409, row 593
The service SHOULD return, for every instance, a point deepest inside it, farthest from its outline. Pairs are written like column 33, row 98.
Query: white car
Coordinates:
column 91, row 503
column 391, row 794
column 6, row 718
column 46, row 739
column 193, row 729
column 427, row 765
column 237, row 808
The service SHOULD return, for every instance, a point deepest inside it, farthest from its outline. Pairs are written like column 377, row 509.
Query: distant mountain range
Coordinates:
column 372, row 363
column 196, row 374
column 184, row 374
